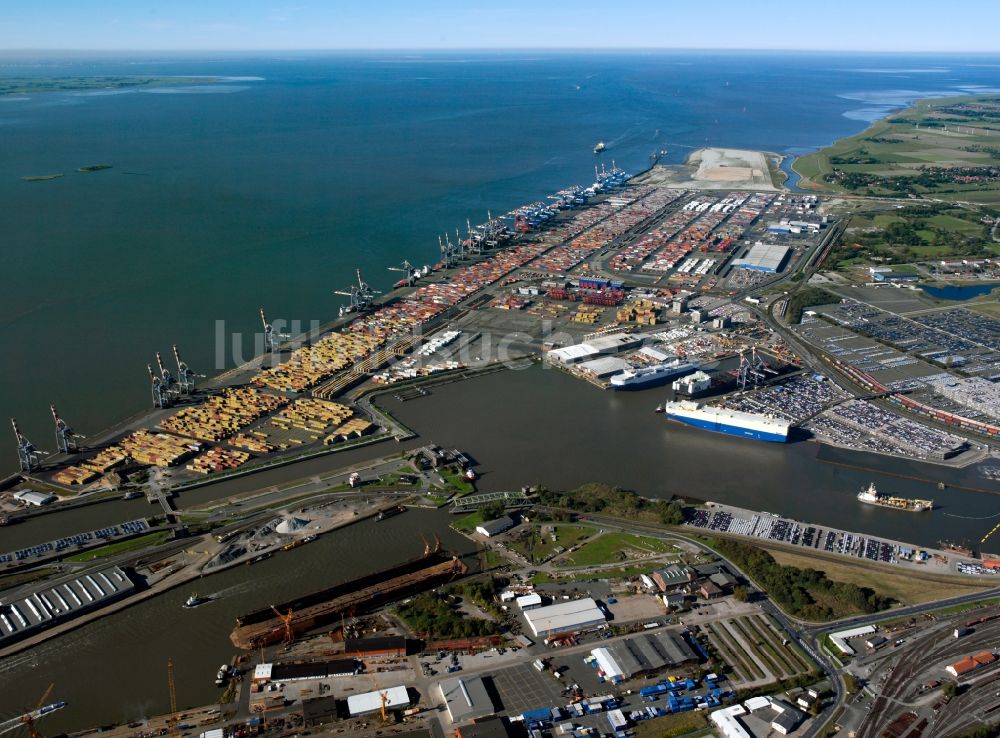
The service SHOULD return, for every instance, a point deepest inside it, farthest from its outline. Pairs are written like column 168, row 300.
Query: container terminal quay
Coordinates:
column 680, row 282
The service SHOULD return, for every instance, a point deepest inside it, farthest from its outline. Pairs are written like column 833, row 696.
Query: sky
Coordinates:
column 237, row 25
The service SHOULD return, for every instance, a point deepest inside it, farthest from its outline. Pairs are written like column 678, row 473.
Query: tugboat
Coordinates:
column 871, row 496
column 194, row 600
column 600, row 147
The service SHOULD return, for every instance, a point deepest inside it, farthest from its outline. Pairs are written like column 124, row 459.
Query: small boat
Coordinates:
column 600, row 147
column 132, row 494
column 660, row 409
column 194, row 600
column 262, row 557
column 471, row 475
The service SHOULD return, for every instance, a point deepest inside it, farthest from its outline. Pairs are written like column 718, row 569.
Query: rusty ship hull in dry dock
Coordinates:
column 268, row 625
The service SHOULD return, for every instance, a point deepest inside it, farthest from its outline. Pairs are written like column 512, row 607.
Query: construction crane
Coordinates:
column 172, row 717
column 27, row 455
column 286, row 622
column 185, row 374
column 362, row 296
column 29, row 717
column 161, row 397
column 66, row 438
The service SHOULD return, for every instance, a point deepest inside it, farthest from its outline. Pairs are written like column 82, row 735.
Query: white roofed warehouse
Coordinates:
column 565, row 617
column 396, row 698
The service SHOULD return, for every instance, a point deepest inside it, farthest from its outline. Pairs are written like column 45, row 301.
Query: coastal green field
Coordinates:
column 943, row 148
column 922, row 231
column 610, row 548
column 30, row 85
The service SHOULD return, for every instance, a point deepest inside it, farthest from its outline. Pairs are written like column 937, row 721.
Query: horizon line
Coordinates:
column 499, row 49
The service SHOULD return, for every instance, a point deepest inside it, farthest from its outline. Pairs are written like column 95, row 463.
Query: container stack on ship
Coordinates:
column 731, row 422
column 267, row 625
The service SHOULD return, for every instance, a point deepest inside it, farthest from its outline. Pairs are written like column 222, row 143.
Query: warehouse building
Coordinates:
column 35, row 499
column 600, row 346
column 728, row 723
column 264, row 673
column 392, row 646
column 492, row 528
column 644, row 654
column 396, row 698
column 565, row 617
column 529, row 601
column 971, row 663
column 467, row 699
column 764, row 257
column 488, row 728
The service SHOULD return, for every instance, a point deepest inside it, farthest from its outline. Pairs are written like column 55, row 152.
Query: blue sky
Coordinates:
column 849, row 25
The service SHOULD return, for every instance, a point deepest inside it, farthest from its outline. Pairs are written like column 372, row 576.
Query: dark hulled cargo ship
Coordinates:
column 264, row 627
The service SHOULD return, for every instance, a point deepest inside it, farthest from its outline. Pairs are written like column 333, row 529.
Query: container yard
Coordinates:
column 223, row 415
column 218, row 459
column 158, row 449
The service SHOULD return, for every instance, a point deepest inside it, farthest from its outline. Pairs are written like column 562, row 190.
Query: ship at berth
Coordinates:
column 730, row 422
column 652, row 376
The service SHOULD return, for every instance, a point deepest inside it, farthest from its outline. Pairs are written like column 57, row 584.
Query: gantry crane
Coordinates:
column 172, row 717
column 185, row 375
column 66, row 438
column 29, row 717
column 286, row 621
column 27, row 455
column 161, row 397
column 362, row 296
column 409, row 270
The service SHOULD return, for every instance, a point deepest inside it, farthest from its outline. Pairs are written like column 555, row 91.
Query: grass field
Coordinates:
column 904, row 588
column 468, row 523
column 538, row 546
column 889, row 157
column 612, row 547
column 672, row 726
column 133, row 544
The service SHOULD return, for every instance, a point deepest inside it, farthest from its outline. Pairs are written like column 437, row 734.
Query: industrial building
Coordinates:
column 893, row 277
column 467, row 699
column 492, row 528
column 604, row 367
column 35, row 499
column 841, row 637
column 565, row 617
column 726, row 720
column 764, row 257
column 970, row 663
column 395, row 698
column 488, row 728
column 264, row 673
column 643, row 654
column 600, row 346
column 673, row 576
column 47, row 605
column 788, row 716
column 393, row 646
column 529, row 601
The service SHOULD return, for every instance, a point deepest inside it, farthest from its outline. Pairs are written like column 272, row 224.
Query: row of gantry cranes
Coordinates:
column 167, row 389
